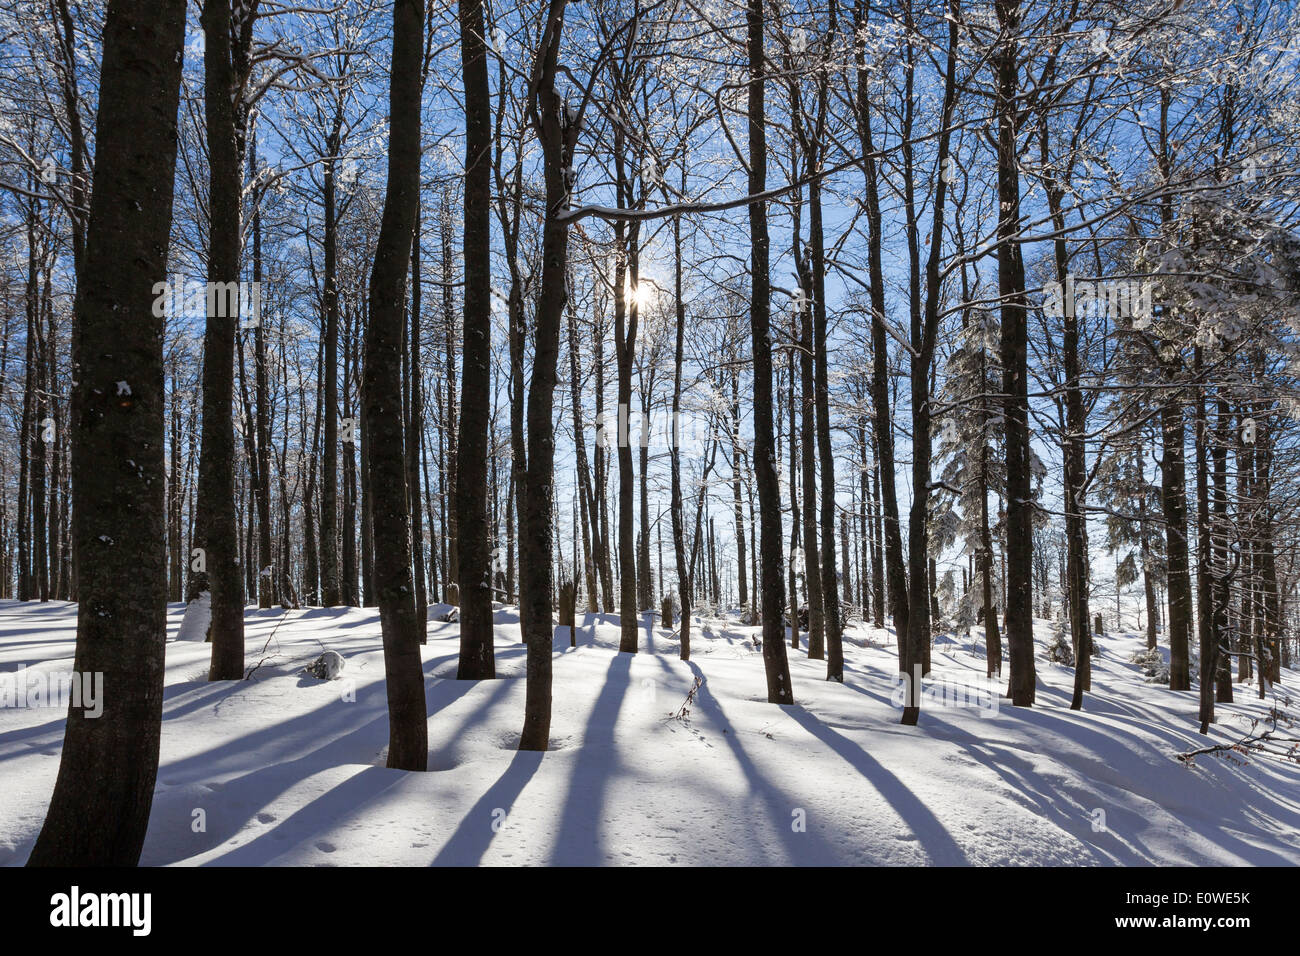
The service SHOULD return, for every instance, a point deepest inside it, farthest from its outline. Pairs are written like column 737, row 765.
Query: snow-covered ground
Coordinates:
column 286, row 769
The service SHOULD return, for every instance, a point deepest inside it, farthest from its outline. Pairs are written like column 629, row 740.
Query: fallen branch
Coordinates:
column 270, row 637
column 683, row 713
column 1269, row 743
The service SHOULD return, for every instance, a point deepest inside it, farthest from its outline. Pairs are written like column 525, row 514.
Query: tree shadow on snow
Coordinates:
column 808, row 848
column 925, row 826
column 469, row 844
column 578, row 841
column 344, row 736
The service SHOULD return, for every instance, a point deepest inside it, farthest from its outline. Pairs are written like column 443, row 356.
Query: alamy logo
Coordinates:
column 676, row 430
column 40, row 688
column 216, row 300
column 74, row 908
column 1116, row 298
column 976, row 692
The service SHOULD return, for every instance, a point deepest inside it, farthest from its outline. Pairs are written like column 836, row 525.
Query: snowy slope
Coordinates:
column 286, row 769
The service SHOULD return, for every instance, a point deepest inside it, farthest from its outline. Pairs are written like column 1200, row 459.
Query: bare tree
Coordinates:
column 99, row 812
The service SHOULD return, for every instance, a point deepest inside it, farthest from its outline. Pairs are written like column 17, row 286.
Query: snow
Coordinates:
column 288, row 769
column 196, row 619
column 329, row 666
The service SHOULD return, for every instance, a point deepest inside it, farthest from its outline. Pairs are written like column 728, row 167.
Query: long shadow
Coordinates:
column 1049, row 801
column 275, row 743
column 20, row 735
column 936, row 840
column 336, row 611
column 1037, row 717
column 56, row 726
column 578, row 840
column 1019, row 775
column 258, row 788
column 45, row 629
column 807, row 848
column 470, row 842
column 280, row 740
column 448, row 758
column 38, row 607
column 1124, row 763
column 349, row 797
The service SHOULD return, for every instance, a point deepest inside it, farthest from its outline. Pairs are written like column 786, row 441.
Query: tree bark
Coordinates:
column 625, row 326
column 329, row 516
column 1173, row 496
column 1015, row 379
column 415, row 434
column 408, row 747
column 679, row 536
column 779, row 688
column 1221, row 583
column 925, row 327
column 267, row 578
column 1205, row 617
column 831, row 617
column 99, row 812
column 808, row 461
column 742, row 583
column 893, row 540
column 474, row 561
column 558, row 136
column 217, row 451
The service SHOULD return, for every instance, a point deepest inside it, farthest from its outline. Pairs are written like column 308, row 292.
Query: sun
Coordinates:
column 643, row 294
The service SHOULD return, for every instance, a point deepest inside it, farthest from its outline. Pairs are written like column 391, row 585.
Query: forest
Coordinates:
column 503, row 343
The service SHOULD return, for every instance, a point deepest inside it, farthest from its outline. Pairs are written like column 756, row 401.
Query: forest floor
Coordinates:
column 286, row 769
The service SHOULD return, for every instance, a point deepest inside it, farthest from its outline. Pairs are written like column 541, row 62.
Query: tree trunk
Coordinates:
column 348, row 525
column 25, row 457
column 679, row 537
column 267, row 577
column 586, row 497
column 451, row 533
column 329, row 520
column 311, row 560
column 1173, row 488
column 1015, row 379
column 474, row 561
column 742, row 584
column 217, row 454
column 1205, row 616
column 779, row 688
column 1076, row 525
column 925, row 325
column 535, row 509
column 1221, row 583
column 175, row 502
column 807, row 448
column 796, row 520
column 415, row 435
column 408, row 747
column 893, row 541
column 645, row 579
column 625, row 323
column 984, row 563
column 99, row 812
column 600, row 523
column 877, row 542
column 831, row 617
